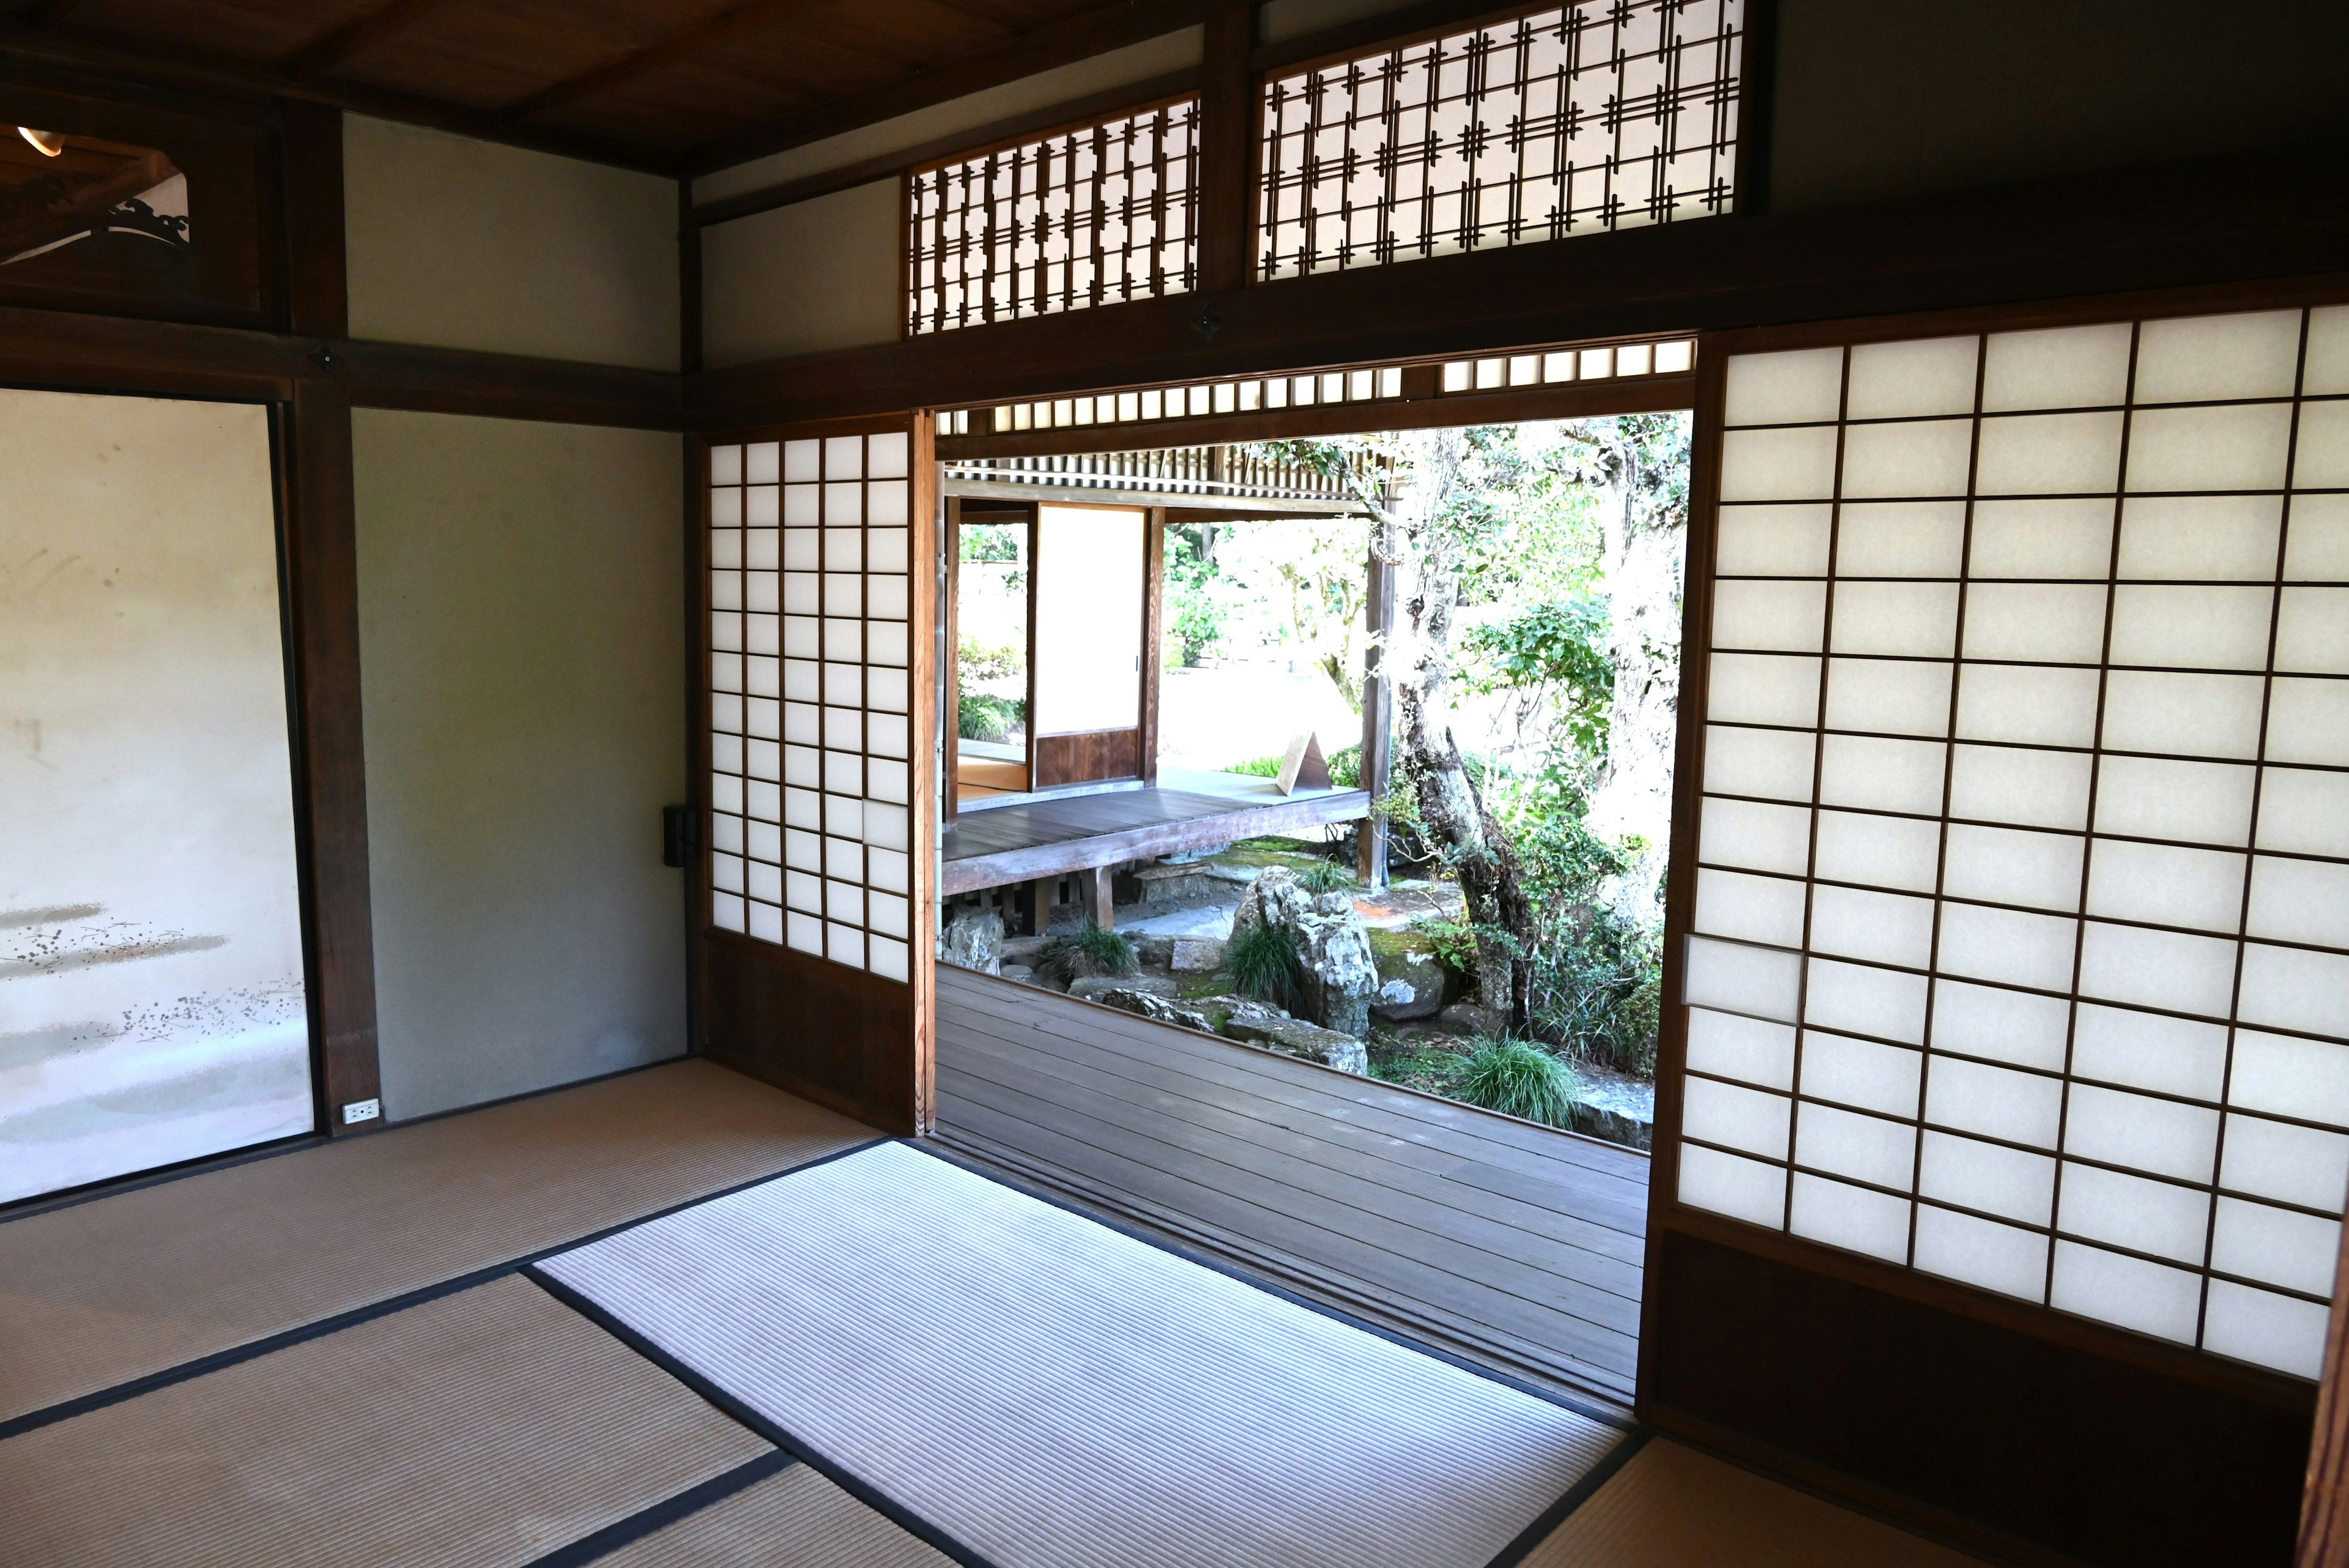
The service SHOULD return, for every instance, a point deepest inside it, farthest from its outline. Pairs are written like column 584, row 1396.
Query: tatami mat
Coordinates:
column 795, row 1520
column 1050, row 1392
column 1671, row 1507
column 106, row 1292
column 481, row 1429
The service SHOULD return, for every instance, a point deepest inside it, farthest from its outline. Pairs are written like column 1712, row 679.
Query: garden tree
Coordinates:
column 1582, row 523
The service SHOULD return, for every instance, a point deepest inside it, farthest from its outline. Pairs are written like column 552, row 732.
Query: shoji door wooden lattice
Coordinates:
column 2016, row 951
column 819, row 761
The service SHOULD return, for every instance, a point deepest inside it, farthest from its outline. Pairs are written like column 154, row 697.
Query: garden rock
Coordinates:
column 1021, row 949
column 1332, row 944
column 1614, row 1106
column 1095, row 987
column 1411, row 977
column 1295, row 1037
column 1019, row 972
column 1468, row 1018
column 1151, row 1005
column 1196, row 955
column 1153, row 949
column 975, row 942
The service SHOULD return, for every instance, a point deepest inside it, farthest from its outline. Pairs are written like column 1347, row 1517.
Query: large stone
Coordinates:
column 1164, row 884
column 1155, row 950
column 1295, row 1037
column 1094, row 987
column 1468, row 1018
column 974, row 941
column 1614, row 1106
column 1412, row 978
column 1022, row 949
column 1150, row 1004
column 1196, row 955
column 1332, row 945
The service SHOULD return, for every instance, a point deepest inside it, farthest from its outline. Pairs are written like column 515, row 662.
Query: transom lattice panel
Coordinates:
column 1088, row 217
column 811, row 705
column 2021, row 935
column 1572, row 120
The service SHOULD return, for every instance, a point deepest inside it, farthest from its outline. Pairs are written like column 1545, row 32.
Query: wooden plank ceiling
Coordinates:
column 663, row 84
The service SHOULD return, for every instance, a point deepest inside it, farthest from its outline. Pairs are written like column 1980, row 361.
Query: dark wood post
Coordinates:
column 950, row 664
column 1228, row 136
column 1378, row 714
column 2325, row 1506
column 1153, row 636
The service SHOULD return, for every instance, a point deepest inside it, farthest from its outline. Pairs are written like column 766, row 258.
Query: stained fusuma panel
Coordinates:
column 151, row 997
column 2020, row 949
column 1570, row 120
column 811, row 697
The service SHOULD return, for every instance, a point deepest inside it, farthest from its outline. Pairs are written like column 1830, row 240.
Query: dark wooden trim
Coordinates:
column 113, row 353
column 2324, row 1501
column 950, row 687
column 694, row 672
column 1570, row 400
column 922, row 563
column 322, row 581
column 1227, row 150
column 832, row 1035
column 1154, row 635
column 1009, row 131
column 1383, row 31
column 1377, row 713
column 119, row 54
column 508, row 386
column 1096, row 32
column 317, row 290
column 2279, row 212
column 1083, row 756
column 1757, row 97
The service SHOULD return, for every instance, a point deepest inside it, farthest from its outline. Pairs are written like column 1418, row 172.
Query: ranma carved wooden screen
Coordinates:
column 2019, row 952
column 1572, row 120
column 1092, row 216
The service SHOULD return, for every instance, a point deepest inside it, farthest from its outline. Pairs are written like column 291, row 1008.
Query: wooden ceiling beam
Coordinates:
column 1095, row 32
column 681, row 44
column 115, row 55
column 339, row 44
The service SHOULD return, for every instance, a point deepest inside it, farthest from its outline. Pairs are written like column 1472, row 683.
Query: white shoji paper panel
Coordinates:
column 2020, row 951
column 810, row 722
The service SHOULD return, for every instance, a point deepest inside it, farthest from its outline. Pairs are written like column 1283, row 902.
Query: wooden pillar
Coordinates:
column 1227, row 145
column 2325, row 1506
column 950, row 664
column 1043, row 894
column 1153, row 636
column 1096, row 887
column 1378, row 715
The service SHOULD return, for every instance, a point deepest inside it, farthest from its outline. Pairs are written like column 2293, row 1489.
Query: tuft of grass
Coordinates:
column 1326, row 877
column 1264, row 964
column 1517, row 1079
column 981, row 716
column 1089, row 950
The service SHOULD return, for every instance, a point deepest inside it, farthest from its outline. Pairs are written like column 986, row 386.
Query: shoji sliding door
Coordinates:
column 819, row 761
column 2019, row 952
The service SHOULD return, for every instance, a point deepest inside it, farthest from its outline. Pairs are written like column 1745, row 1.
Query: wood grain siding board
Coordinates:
column 317, row 287
column 1087, row 758
column 2006, row 1440
column 2278, row 214
column 817, row 1029
column 1226, row 174
column 509, row 386
column 322, row 587
column 2324, row 1502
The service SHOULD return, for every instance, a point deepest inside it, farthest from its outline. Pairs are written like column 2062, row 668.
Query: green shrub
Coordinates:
column 1089, row 950
column 1454, row 941
column 983, row 717
column 1517, row 1079
column 1325, row 877
column 1264, row 964
column 1345, row 767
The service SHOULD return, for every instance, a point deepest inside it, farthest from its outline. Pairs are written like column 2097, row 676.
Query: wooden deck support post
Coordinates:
column 1096, row 888
column 1378, row 718
column 1043, row 894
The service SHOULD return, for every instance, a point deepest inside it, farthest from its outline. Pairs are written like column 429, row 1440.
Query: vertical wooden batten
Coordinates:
column 1228, row 148
column 2324, row 1502
column 321, row 556
column 1153, row 636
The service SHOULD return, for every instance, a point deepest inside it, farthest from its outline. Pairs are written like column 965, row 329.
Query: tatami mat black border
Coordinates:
column 1231, row 1271
column 1574, row 1496
column 98, row 1399
column 846, row 1479
column 661, row 1515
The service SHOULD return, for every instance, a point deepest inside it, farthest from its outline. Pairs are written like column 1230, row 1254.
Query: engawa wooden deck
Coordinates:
column 1001, row 843
column 1507, row 1241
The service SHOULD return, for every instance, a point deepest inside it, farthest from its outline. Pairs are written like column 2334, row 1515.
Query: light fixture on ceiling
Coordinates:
column 49, row 143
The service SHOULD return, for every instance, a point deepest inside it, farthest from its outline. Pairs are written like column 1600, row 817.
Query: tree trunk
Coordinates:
column 1415, row 531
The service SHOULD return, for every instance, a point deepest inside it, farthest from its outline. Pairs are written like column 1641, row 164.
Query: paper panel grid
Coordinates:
column 811, row 783
column 2020, row 948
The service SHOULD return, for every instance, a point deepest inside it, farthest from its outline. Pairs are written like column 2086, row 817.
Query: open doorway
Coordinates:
column 1459, row 678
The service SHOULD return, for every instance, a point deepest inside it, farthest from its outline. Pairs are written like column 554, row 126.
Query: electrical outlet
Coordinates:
column 361, row 1111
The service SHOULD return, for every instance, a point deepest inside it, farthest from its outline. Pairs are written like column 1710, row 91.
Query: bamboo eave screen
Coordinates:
column 2019, row 948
